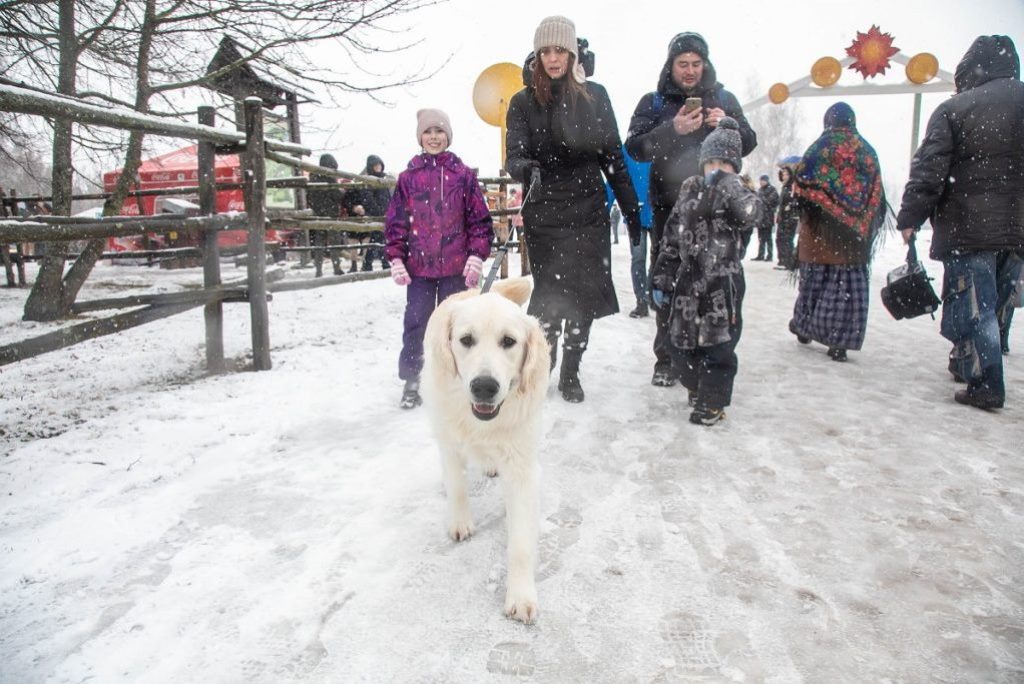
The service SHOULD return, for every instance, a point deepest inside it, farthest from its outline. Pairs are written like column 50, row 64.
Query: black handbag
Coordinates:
column 908, row 291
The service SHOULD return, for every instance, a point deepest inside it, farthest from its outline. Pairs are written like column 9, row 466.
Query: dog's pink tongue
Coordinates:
column 484, row 408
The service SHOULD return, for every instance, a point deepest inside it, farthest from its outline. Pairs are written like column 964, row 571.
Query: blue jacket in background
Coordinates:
column 640, row 174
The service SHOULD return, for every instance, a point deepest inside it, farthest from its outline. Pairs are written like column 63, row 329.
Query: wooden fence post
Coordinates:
column 5, row 252
column 18, row 248
column 213, row 313
column 504, row 223
column 295, row 136
column 254, row 189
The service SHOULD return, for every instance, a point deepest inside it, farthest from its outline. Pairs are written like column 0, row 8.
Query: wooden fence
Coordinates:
column 252, row 147
column 254, row 150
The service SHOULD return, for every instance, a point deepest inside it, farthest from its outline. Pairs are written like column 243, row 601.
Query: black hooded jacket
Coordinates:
column 652, row 138
column 769, row 201
column 968, row 174
column 373, row 200
column 325, row 202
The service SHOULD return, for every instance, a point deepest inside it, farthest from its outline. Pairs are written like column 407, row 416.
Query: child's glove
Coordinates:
column 474, row 267
column 659, row 298
column 399, row 274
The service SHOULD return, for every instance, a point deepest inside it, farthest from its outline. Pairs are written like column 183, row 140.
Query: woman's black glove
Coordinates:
column 531, row 173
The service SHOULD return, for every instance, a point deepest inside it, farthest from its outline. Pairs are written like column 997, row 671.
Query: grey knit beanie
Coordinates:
column 723, row 143
column 425, row 118
column 558, row 31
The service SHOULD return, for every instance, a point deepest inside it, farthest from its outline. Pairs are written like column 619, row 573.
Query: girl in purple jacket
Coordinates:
column 438, row 231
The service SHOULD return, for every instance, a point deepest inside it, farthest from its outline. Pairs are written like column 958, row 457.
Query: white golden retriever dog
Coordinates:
column 484, row 380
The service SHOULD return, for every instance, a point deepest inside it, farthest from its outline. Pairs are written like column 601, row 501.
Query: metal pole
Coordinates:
column 916, row 130
column 213, row 313
column 254, row 181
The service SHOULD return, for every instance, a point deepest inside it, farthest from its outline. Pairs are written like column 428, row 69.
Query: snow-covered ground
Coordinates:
column 847, row 523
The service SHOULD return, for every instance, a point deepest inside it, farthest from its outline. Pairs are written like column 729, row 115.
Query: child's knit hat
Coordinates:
column 425, row 118
column 723, row 143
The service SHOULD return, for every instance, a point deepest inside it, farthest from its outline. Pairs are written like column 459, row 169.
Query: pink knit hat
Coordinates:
column 425, row 118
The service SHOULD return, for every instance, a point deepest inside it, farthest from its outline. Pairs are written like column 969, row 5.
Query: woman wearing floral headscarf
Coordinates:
column 839, row 186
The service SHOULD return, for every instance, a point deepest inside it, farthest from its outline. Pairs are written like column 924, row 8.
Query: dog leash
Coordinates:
column 503, row 247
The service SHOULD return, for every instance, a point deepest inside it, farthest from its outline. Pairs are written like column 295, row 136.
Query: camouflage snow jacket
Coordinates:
column 705, row 239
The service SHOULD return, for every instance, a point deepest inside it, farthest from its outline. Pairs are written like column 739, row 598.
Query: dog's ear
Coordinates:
column 437, row 340
column 533, row 375
column 516, row 289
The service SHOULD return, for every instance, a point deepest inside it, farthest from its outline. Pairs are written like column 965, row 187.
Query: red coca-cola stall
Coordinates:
column 172, row 170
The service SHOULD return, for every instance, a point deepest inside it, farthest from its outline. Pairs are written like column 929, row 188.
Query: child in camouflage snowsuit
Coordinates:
column 699, row 274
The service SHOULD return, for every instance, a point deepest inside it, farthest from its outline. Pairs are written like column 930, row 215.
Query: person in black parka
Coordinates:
column 562, row 129
column 968, row 179
column 326, row 203
column 370, row 202
column 788, row 220
column 769, row 202
column 664, row 133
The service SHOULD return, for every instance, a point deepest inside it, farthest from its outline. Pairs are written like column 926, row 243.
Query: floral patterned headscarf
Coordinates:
column 839, row 173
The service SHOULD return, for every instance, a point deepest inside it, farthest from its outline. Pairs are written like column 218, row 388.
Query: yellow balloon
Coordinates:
column 778, row 93
column 493, row 89
column 922, row 68
column 826, row 72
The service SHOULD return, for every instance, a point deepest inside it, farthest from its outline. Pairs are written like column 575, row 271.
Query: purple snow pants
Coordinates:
column 422, row 297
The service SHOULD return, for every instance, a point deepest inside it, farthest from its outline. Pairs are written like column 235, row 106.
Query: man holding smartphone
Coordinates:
column 667, row 129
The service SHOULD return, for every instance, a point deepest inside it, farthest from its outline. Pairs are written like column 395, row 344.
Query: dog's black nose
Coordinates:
column 484, row 388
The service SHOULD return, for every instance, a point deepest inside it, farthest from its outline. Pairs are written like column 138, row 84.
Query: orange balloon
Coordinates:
column 826, row 72
column 778, row 93
column 493, row 89
column 922, row 67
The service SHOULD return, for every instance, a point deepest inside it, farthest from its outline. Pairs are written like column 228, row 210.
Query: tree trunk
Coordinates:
column 45, row 301
column 57, row 291
column 133, row 160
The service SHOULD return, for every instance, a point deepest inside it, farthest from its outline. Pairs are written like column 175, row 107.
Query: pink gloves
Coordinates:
column 399, row 274
column 474, row 267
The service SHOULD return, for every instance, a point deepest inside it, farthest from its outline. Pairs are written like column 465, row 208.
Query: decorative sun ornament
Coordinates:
column 872, row 51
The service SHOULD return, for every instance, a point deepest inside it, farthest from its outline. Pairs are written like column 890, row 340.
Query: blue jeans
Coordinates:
column 638, row 268
column 976, row 287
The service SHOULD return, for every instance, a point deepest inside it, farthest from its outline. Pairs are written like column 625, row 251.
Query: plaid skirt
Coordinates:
column 832, row 307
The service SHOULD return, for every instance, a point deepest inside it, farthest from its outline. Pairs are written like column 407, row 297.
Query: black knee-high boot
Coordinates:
column 552, row 331
column 577, row 335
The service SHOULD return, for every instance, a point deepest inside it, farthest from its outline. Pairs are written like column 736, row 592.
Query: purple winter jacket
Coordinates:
column 437, row 217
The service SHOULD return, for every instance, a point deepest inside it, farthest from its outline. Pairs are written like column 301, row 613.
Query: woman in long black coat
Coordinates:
column 562, row 128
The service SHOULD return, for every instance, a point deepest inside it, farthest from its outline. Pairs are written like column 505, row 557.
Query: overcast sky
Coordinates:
column 772, row 41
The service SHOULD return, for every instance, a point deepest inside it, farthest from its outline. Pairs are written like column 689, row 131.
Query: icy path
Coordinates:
column 848, row 522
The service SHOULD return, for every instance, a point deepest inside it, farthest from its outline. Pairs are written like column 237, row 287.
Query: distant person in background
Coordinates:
column 788, row 220
column 614, row 216
column 438, row 232
column 842, row 209
column 326, row 203
column 769, row 203
column 968, row 179
column 667, row 133
column 515, row 201
column 373, row 202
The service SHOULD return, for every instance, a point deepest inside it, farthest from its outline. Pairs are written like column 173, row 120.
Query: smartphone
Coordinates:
column 691, row 104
